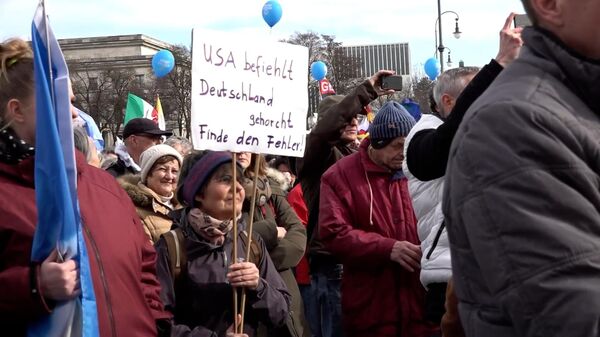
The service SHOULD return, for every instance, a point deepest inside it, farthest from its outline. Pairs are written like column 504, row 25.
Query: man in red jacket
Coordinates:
column 367, row 221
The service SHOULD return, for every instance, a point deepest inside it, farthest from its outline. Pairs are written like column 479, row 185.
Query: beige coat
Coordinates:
column 152, row 212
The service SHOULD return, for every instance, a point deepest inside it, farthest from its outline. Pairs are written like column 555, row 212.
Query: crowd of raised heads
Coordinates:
column 479, row 219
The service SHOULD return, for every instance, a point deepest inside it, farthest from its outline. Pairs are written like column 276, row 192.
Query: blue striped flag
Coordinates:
column 59, row 222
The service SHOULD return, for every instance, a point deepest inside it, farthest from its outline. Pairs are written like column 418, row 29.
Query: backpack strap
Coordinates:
column 177, row 253
column 255, row 249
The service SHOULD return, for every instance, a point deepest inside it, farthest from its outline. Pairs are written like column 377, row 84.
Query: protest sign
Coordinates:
column 248, row 95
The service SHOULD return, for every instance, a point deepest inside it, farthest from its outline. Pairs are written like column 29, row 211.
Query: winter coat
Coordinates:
column 202, row 300
column 296, row 201
column 522, row 198
column 285, row 253
column 323, row 149
column 279, row 184
column 364, row 210
column 426, row 151
column 118, row 168
column 426, row 198
column 152, row 212
column 122, row 261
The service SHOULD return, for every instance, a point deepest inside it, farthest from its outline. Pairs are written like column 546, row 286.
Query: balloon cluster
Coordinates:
column 432, row 68
column 271, row 12
column 162, row 63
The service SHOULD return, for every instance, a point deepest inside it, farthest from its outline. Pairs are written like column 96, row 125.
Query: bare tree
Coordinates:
column 343, row 69
column 421, row 91
column 103, row 93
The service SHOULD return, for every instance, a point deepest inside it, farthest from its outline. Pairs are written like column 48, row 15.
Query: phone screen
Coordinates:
column 522, row 20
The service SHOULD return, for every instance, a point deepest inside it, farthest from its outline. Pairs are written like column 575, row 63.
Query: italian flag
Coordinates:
column 138, row 108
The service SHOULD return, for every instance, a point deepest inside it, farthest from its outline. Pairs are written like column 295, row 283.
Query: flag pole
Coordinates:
column 235, row 241
column 43, row 2
column 250, row 225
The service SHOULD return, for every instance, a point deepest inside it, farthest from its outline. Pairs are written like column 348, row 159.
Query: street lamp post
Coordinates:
column 438, row 25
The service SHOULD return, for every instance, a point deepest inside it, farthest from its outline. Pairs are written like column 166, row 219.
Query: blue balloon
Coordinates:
column 318, row 70
column 271, row 12
column 432, row 68
column 162, row 63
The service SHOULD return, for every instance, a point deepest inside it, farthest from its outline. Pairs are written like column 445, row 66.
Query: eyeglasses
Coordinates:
column 155, row 138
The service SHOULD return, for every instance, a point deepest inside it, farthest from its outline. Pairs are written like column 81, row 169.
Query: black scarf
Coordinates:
column 13, row 149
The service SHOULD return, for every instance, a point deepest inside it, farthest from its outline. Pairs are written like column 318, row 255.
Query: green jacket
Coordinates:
column 285, row 253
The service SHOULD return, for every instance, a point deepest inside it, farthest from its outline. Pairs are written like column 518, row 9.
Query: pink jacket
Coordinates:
column 364, row 210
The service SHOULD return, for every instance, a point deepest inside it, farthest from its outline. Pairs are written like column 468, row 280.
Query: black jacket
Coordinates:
column 202, row 304
column 427, row 152
column 118, row 169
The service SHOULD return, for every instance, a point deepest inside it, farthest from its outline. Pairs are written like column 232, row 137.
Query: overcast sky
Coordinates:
column 351, row 21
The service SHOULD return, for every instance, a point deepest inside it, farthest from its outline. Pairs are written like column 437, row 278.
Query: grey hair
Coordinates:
column 186, row 145
column 452, row 82
column 80, row 138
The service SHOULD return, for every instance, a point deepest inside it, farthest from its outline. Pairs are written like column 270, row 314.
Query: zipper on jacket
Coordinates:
column 103, row 278
column 437, row 238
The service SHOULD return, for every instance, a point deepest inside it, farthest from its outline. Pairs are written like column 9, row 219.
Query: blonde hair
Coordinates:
column 257, row 159
column 16, row 73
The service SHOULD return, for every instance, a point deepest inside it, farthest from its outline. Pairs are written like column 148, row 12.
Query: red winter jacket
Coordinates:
column 296, row 200
column 122, row 260
column 360, row 220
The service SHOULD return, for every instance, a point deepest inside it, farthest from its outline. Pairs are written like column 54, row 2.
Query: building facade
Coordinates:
column 391, row 56
column 372, row 58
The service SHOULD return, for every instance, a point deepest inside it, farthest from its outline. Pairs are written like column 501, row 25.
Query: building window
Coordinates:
column 93, row 83
column 140, row 79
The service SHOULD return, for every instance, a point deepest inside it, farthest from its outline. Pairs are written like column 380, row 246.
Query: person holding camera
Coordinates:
column 427, row 148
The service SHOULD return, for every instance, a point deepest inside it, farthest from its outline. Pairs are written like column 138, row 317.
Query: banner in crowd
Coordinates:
column 248, row 95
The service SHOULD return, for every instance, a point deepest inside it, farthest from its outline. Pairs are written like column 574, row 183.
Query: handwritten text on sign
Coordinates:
column 248, row 95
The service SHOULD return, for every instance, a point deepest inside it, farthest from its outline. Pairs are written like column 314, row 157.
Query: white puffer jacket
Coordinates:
column 427, row 202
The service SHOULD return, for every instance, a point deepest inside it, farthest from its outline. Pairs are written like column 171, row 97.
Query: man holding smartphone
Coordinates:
column 427, row 148
column 522, row 196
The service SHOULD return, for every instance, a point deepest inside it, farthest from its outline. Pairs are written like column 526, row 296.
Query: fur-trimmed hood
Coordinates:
column 277, row 180
column 141, row 195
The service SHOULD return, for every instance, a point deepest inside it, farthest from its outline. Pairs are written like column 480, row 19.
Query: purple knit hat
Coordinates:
column 200, row 173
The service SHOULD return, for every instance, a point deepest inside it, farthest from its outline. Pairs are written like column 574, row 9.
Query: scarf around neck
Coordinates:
column 263, row 190
column 13, row 149
column 209, row 228
column 121, row 151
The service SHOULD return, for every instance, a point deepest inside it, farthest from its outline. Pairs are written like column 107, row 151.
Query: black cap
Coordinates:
column 146, row 126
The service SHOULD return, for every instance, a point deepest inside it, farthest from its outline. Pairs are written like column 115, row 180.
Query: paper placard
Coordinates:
column 248, row 95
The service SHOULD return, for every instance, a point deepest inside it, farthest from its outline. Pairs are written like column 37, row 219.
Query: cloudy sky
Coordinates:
column 351, row 21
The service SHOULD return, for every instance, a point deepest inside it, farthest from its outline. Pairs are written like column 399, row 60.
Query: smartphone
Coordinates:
column 393, row 82
column 522, row 20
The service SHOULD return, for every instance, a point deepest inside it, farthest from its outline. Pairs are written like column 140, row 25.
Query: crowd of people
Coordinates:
column 479, row 219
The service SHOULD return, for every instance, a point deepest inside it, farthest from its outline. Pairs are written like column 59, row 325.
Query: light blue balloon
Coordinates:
column 162, row 63
column 432, row 68
column 318, row 70
column 271, row 12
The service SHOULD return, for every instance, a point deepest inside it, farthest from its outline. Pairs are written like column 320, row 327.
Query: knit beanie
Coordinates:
column 199, row 174
column 154, row 153
column 392, row 121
